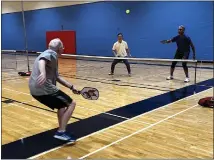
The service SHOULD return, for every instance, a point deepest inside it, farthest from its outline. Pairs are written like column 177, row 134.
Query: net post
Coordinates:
column 16, row 61
column 25, row 34
column 195, row 81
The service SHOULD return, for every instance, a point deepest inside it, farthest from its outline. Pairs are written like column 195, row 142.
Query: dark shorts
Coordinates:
column 57, row 100
column 179, row 55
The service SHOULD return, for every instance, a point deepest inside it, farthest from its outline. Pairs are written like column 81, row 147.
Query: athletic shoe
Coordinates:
column 169, row 78
column 186, row 80
column 64, row 136
column 130, row 74
column 111, row 74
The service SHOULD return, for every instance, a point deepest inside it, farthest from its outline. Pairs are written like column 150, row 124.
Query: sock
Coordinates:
column 61, row 131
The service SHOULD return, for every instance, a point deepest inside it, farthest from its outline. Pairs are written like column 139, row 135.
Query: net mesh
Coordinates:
column 146, row 73
column 17, row 60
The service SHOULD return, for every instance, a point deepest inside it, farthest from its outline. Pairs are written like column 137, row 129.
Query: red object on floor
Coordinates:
column 24, row 73
column 206, row 102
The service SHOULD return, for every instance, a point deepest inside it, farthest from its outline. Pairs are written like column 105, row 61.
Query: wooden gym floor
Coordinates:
column 143, row 116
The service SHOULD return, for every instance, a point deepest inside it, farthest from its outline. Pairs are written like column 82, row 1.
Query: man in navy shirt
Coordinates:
column 183, row 50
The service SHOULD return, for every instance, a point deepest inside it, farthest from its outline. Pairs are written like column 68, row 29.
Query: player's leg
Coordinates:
column 184, row 64
column 59, row 114
column 65, row 106
column 113, row 66
column 172, row 68
column 127, row 66
column 64, row 115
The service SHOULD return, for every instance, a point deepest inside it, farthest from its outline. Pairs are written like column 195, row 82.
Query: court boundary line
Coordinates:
column 125, row 121
column 8, row 89
column 36, row 107
column 114, row 115
column 10, row 104
column 102, row 112
column 32, row 110
column 139, row 131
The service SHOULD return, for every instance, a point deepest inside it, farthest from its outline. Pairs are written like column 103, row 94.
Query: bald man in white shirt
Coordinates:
column 120, row 49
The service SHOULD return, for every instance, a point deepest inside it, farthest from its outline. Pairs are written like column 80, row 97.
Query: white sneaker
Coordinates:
column 186, row 80
column 169, row 78
column 129, row 74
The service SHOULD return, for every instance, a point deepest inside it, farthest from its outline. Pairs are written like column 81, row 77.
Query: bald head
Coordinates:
column 56, row 45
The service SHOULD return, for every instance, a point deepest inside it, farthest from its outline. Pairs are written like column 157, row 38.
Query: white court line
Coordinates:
column 102, row 130
column 34, row 110
column 25, row 102
column 12, row 74
column 139, row 131
column 16, row 91
column 114, row 115
column 17, row 81
column 127, row 118
column 210, row 152
column 83, row 107
column 14, row 79
column 7, row 105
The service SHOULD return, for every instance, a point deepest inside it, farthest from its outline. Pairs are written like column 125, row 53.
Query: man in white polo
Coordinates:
column 120, row 49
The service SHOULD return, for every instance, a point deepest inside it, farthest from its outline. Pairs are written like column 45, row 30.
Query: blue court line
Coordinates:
column 39, row 143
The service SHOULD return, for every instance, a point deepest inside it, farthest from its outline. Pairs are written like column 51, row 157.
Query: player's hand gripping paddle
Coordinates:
column 164, row 41
column 89, row 93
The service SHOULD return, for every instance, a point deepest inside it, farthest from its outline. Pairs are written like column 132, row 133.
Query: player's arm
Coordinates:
column 114, row 50
column 42, row 64
column 127, row 50
column 66, row 83
column 170, row 40
column 42, row 77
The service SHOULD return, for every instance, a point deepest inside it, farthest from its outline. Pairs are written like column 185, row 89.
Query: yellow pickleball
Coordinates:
column 127, row 11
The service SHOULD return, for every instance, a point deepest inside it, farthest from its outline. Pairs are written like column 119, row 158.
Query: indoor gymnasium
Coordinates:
column 107, row 79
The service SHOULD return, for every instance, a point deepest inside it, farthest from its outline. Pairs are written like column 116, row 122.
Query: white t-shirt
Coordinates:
column 120, row 48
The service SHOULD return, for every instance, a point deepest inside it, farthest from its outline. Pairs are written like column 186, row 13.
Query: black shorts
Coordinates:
column 181, row 55
column 57, row 100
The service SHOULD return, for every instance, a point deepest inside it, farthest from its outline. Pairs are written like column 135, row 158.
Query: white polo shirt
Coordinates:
column 120, row 48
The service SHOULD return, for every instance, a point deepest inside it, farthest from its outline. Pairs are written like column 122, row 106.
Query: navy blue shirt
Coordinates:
column 183, row 43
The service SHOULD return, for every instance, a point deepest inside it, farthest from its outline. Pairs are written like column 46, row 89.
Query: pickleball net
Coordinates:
column 146, row 72
column 13, row 60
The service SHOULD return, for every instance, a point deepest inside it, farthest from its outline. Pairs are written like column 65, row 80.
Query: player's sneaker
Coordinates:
column 169, row 78
column 129, row 74
column 111, row 74
column 186, row 80
column 64, row 136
